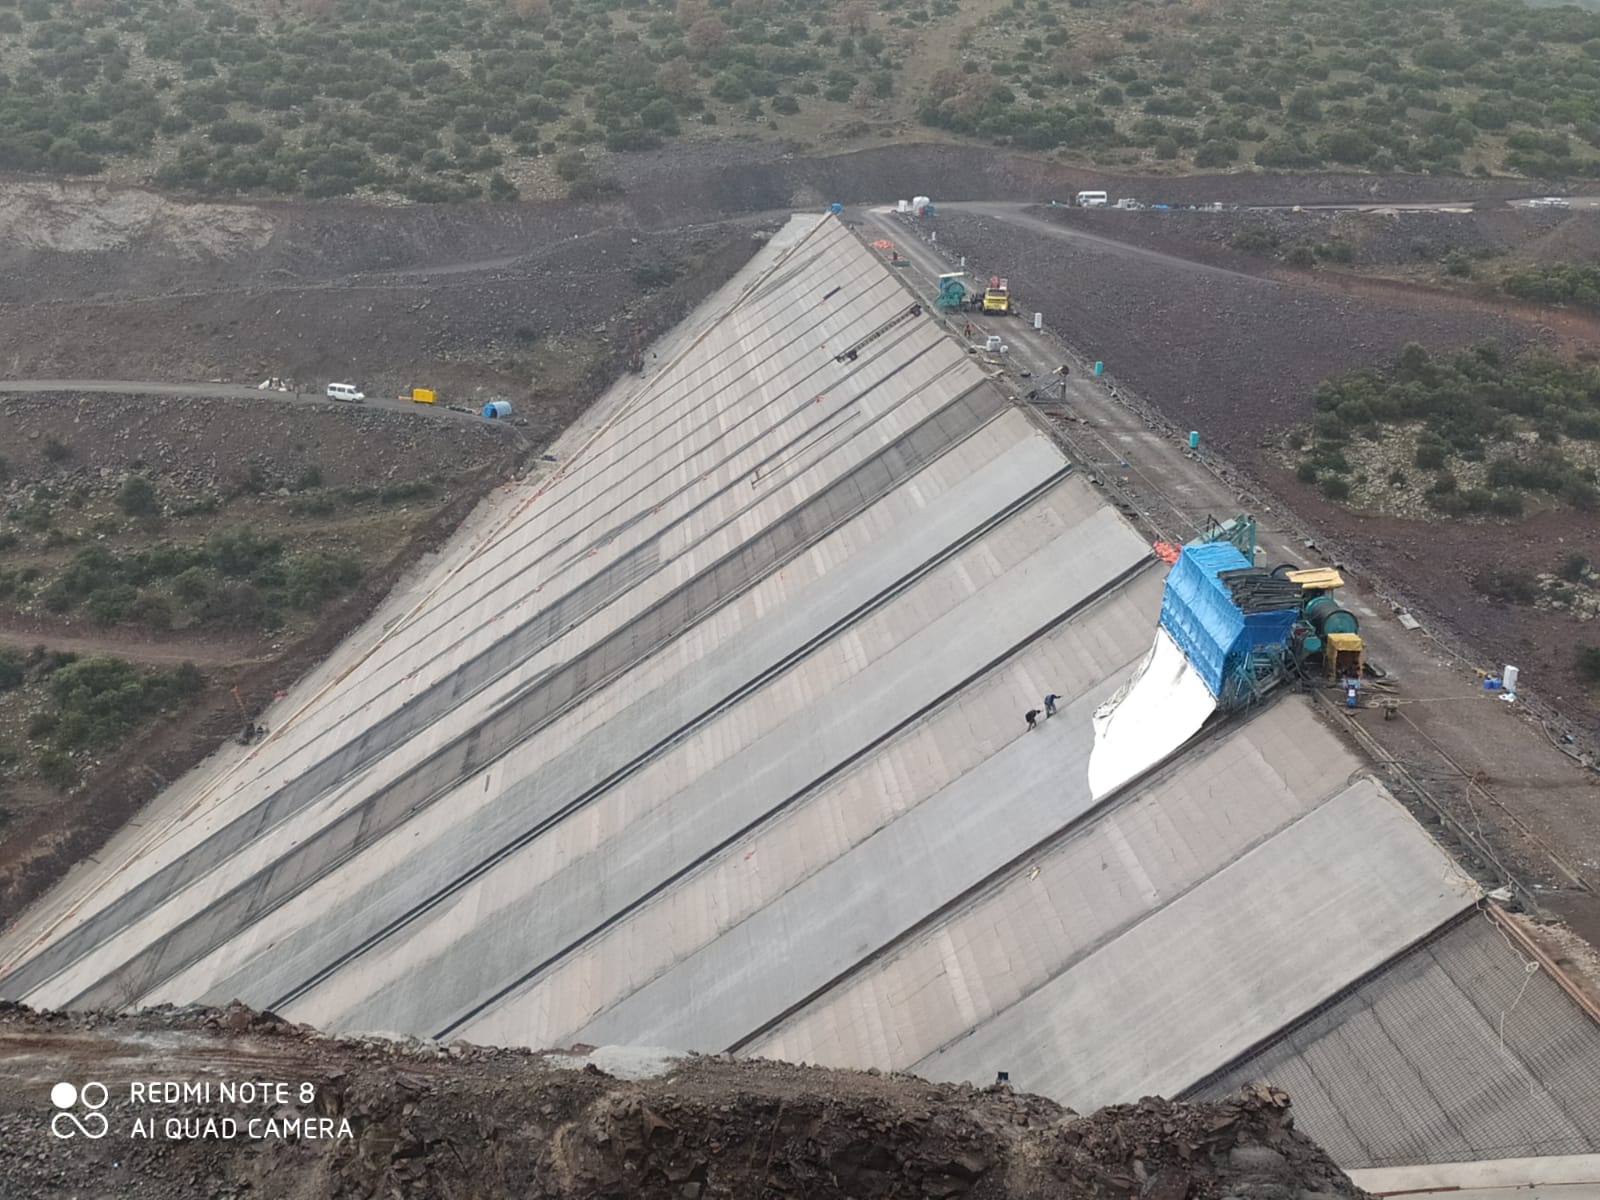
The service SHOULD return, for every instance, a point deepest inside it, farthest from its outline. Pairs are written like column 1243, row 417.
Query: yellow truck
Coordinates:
column 997, row 298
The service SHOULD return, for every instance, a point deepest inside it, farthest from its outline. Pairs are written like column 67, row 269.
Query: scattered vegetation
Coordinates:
column 438, row 101
column 1493, row 432
column 1576, row 284
column 1511, row 586
column 137, row 497
column 1572, row 588
column 1588, row 662
column 131, row 554
column 1435, row 87
column 237, row 577
column 64, row 708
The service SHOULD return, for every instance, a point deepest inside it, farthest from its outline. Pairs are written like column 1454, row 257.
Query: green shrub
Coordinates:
column 656, row 275
column 1306, row 472
column 236, row 133
column 1577, row 284
column 57, row 769
column 413, row 489
column 590, row 188
column 1300, row 256
column 312, row 579
column 1574, row 567
column 1515, row 587
column 1335, row 487
column 193, row 585
column 237, row 604
column 1506, row 504
column 98, row 700
column 1587, row 662
column 241, row 551
column 137, row 497
column 1347, row 146
column 1256, row 240
column 313, row 506
column 1219, row 152
column 1303, row 106
column 153, row 610
column 13, row 668
column 1431, row 455
column 1581, row 494
column 113, row 604
column 572, row 165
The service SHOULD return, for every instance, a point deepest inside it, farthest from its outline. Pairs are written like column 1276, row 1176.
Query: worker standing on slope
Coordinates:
column 1031, row 717
column 1050, row 704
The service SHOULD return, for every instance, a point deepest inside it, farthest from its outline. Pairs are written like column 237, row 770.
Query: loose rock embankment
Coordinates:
column 458, row 1120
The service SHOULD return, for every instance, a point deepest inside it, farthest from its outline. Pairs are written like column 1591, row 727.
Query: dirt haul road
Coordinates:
column 1512, row 806
column 212, row 391
column 238, row 1103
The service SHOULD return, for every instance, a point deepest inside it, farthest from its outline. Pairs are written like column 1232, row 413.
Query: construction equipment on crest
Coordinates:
column 997, row 299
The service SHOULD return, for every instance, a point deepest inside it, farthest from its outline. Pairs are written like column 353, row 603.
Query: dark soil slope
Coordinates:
column 431, row 1121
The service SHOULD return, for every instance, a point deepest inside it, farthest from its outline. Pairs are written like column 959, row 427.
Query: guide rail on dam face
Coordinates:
column 716, row 739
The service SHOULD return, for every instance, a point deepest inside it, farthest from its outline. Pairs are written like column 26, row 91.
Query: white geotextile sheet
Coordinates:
column 1161, row 707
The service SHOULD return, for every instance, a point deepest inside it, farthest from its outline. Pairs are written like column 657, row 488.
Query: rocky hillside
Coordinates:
column 380, row 1118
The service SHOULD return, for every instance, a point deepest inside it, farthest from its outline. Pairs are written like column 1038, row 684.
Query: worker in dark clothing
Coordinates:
column 1050, row 704
column 969, row 331
column 1031, row 717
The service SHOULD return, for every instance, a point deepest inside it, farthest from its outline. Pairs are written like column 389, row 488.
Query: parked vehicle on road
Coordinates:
column 347, row 392
column 1091, row 200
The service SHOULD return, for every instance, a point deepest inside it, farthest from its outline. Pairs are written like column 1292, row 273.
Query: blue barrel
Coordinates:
column 497, row 409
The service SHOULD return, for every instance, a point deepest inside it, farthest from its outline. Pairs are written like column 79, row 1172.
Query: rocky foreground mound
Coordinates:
column 408, row 1119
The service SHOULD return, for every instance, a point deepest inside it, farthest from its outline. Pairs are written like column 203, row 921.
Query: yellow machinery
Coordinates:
column 1316, row 580
column 421, row 395
column 1325, row 627
column 997, row 299
column 1341, row 655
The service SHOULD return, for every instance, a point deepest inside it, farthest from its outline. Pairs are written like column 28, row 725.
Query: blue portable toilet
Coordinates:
column 1099, row 368
column 836, row 207
column 497, row 409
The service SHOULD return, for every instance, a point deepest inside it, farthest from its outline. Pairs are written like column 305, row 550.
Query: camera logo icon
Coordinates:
column 66, row 1097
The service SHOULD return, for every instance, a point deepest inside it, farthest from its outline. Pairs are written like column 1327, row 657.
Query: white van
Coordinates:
column 345, row 391
column 1091, row 200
